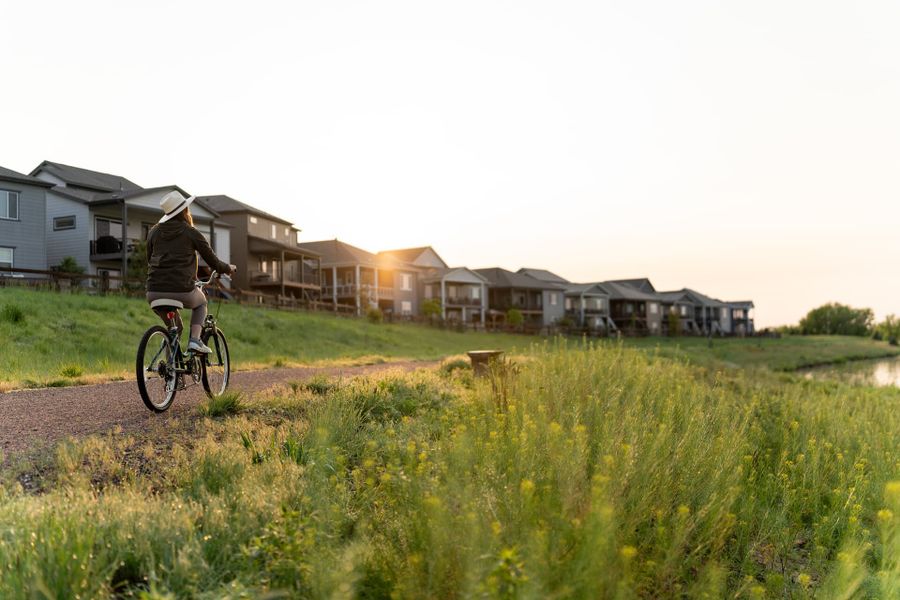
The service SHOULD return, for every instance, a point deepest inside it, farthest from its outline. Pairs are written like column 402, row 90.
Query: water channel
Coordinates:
column 877, row 372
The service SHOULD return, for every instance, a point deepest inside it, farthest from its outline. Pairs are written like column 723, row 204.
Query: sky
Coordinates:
column 749, row 150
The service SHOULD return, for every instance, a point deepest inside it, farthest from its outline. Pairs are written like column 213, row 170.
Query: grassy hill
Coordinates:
column 54, row 339
column 578, row 473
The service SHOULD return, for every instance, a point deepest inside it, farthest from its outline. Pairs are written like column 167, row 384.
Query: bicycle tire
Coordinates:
column 220, row 358
column 141, row 372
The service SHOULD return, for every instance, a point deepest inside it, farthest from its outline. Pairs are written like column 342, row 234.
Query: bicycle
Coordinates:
column 163, row 374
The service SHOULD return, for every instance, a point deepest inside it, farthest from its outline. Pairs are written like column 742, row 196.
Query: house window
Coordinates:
column 568, row 304
column 654, row 308
column 406, row 307
column 406, row 282
column 9, row 205
column 63, row 223
column 429, row 293
column 553, row 299
column 451, row 292
column 298, row 237
column 684, row 311
column 287, row 232
column 274, row 232
column 253, row 220
column 263, row 265
column 108, row 227
column 599, row 303
column 738, row 313
column 6, row 258
column 629, row 308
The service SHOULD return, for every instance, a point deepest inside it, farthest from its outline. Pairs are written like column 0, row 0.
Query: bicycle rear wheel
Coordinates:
column 217, row 364
column 156, row 380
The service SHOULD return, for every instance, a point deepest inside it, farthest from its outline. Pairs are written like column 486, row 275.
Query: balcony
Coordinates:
column 464, row 301
column 366, row 290
column 109, row 248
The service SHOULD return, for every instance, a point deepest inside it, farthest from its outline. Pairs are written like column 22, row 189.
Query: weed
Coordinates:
column 229, row 403
column 12, row 313
column 72, row 371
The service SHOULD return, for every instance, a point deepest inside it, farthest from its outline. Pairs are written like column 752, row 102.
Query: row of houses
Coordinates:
column 98, row 219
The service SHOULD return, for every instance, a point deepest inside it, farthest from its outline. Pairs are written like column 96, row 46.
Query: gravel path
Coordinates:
column 30, row 418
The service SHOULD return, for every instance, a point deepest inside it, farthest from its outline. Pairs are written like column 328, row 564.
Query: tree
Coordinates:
column 837, row 319
column 674, row 323
column 137, row 267
column 432, row 309
column 514, row 317
column 889, row 328
column 71, row 266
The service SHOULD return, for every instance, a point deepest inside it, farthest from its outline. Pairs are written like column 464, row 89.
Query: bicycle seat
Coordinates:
column 166, row 303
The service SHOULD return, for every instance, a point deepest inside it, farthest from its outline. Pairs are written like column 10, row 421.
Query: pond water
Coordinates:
column 878, row 372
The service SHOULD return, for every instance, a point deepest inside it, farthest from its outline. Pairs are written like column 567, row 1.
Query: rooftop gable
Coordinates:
column 223, row 204
column 501, row 278
column 543, row 275
column 423, row 256
column 336, row 253
column 16, row 177
column 85, row 178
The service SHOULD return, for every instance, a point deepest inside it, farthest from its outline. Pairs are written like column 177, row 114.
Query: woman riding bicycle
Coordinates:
column 172, row 248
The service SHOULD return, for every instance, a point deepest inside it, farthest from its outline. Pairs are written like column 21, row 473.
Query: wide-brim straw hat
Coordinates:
column 173, row 203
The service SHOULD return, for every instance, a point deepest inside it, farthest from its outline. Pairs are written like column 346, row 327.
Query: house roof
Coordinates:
column 704, row 299
column 643, row 284
column 10, row 175
column 619, row 290
column 434, row 275
column 85, row 178
column 410, row 255
column 594, row 289
column 223, row 204
column 502, row 278
column 543, row 275
column 745, row 304
column 675, row 296
column 336, row 252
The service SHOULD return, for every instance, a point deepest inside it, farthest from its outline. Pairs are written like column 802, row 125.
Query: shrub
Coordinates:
column 72, row 371
column 431, row 309
column 229, row 403
column 12, row 313
column 877, row 336
column 514, row 317
column 374, row 315
column 454, row 365
column 892, row 341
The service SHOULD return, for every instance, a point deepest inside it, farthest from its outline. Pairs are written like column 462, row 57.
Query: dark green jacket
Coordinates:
column 172, row 249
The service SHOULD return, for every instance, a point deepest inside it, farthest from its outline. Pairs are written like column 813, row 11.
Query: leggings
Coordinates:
column 195, row 300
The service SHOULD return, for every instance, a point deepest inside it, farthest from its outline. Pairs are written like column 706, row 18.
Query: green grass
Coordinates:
column 788, row 353
column 576, row 473
column 82, row 337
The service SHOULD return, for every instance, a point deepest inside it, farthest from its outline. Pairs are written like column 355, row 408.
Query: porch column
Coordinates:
column 484, row 300
column 356, row 283
column 443, row 300
column 334, row 286
column 581, row 301
column 376, row 285
column 282, row 272
column 124, row 239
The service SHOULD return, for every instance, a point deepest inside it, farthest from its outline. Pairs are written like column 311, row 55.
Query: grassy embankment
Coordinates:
column 785, row 354
column 53, row 339
column 59, row 339
column 580, row 473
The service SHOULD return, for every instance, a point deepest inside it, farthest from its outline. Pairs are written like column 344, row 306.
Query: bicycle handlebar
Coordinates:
column 202, row 284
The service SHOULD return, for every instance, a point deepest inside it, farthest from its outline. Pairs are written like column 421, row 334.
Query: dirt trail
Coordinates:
column 36, row 417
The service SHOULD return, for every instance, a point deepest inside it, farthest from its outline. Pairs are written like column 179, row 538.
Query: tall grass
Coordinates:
column 577, row 473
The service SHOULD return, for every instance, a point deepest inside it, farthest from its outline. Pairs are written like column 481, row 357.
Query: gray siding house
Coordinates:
column 540, row 302
column 98, row 218
column 409, row 267
column 23, row 215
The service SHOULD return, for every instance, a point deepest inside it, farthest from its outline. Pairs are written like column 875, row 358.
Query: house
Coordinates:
column 408, row 266
column 678, row 309
column 266, row 250
column 99, row 218
column 23, row 215
column 741, row 319
column 634, row 306
column 587, row 307
column 462, row 293
column 356, row 277
column 540, row 302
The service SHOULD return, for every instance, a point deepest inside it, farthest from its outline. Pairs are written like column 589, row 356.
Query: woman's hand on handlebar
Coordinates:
column 232, row 269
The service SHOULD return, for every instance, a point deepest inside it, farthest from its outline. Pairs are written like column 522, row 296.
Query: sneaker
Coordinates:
column 199, row 347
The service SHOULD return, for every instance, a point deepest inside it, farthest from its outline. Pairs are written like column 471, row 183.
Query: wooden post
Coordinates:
column 443, row 300
column 124, row 238
column 282, row 272
column 334, row 287
column 356, row 284
column 104, row 282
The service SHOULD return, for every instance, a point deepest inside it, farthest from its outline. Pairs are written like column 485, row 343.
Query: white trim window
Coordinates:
column 684, row 310
column 476, row 293
column 405, row 282
column 724, row 314
column 406, row 307
column 64, row 223
column 106, row 227
column 429, row 292
column 554, row 299
column 274, row 232
column 9, row 205
column 654, row 308
column 253, row 220
column 6, row 258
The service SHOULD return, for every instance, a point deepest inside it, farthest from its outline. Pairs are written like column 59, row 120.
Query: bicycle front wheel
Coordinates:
column 216, row 364
column 156, row 378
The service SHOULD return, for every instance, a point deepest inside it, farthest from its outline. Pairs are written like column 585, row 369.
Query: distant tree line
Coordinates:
column 839, row 319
